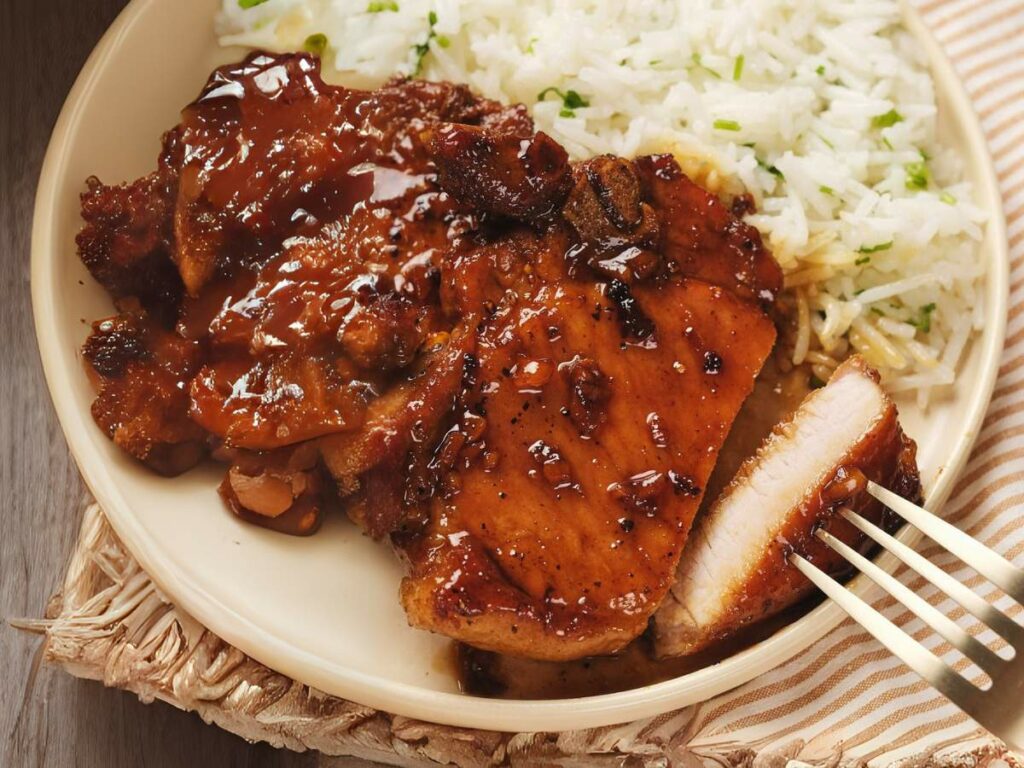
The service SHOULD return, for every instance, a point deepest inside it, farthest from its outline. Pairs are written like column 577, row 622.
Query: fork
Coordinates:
column 998, row 706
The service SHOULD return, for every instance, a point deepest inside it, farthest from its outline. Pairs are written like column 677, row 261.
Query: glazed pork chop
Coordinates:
column 734, row 570
column 565, row 545
column 607, row 369
column 517, row 369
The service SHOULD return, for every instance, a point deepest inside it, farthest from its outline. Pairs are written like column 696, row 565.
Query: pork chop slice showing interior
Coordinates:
column 734, row 571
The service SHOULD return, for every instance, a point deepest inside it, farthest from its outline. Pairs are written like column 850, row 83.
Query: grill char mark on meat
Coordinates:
column 469, row 349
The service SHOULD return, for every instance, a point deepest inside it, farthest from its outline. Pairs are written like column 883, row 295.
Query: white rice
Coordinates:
column 873, row 262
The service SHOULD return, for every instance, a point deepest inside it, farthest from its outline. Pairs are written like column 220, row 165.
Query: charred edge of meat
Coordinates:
column 617, row 229
column 136, row 364
column 703, row 237
column 523, row 178
column 114, row 343
column 126, row 242
column 617, row 189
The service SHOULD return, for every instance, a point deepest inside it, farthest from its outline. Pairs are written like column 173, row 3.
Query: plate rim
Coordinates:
column 455, row 709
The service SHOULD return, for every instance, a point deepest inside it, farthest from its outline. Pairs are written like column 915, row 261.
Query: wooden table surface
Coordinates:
column 48, row 718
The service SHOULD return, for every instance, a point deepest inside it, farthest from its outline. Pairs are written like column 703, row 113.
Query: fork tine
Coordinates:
column 936, row 672
column 989, row 564
column 998, row 621
column 969, row 646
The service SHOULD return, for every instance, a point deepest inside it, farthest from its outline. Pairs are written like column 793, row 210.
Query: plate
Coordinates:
column 324, row 610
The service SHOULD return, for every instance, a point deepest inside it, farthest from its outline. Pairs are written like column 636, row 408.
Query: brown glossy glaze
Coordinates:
column 336, row 187
column 290, row 240
column 524, row 177
column 706, row 240
column 383, row 469
column 519, row 369
column 271, row 153
column 560, row 514
column 569, row 543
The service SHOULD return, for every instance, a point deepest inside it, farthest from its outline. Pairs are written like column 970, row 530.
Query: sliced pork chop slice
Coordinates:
column 734, row 570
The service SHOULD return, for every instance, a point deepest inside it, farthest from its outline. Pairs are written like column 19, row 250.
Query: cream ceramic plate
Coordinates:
column 324, row 610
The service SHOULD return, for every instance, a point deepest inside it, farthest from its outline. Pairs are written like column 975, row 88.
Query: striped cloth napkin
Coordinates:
column 844, row 701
